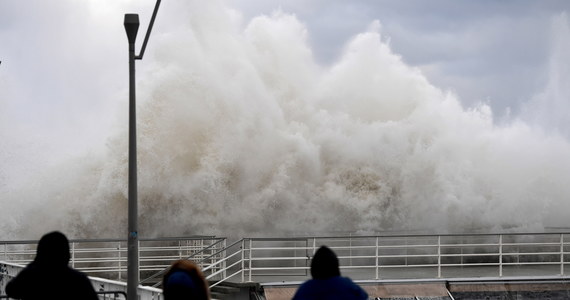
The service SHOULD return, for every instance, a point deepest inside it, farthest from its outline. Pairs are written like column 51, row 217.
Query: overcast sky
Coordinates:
column 64, row 62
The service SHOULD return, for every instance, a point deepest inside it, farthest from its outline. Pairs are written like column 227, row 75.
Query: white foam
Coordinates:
column 242, row 132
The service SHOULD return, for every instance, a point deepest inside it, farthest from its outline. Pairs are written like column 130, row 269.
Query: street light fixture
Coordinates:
column 131, row 24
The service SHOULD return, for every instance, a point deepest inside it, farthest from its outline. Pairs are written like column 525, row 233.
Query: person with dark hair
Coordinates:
column 184, row 280
column 327, row 282
column 49, row 276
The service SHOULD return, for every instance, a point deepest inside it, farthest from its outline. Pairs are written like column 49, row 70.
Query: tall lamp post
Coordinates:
column 131, row 24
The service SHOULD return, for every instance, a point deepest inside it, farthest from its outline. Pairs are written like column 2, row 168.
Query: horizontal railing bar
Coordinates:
column 469, row 254
column 280, row 258
column 106, row 240
column 116, row 259
column 533, row 263
column 415, row 246
column 276, row 268
column 530, row 253
column 403, row 246
column 531, row 244
column 468, row 245
column 170, row 248
column 144, row 248
column 403, row 236
column 404, row 256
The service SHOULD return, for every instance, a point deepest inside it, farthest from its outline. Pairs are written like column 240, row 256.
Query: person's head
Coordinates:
column 324, row 264
column 184, row 280
column 53, row 250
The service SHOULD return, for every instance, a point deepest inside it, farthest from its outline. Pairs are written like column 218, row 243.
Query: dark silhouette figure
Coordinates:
column 327, row 282
column 49, row 276
column 184, row 280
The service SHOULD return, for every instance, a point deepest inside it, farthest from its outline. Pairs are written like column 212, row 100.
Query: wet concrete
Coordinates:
column 511, row 290
column 374, row 290
column 393, row 290
column 472, row 290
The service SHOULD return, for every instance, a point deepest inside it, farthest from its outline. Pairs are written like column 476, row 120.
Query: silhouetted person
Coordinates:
column 49, row 276
column 327, row 284
column 184, row 280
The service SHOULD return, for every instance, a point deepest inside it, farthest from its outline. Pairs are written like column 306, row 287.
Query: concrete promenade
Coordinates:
column 457, row 290
column 374, row 290
column 528, row 282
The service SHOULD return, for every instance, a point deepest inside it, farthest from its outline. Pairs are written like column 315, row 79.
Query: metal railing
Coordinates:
column 381, row 257
column 207, row 257
column 108, row 257
column 398, row 257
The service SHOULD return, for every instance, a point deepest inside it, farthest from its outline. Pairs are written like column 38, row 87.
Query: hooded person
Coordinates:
column 49, row 276
column 327, row 283
column 184, row 280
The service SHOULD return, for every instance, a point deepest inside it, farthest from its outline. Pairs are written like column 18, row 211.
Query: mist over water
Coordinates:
column 550, row 108
column 241, row 132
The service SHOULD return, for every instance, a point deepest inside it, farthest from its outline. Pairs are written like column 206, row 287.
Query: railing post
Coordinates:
column 73, row 254
column 224, row 255
column 350, row 248
column 139, row 262
column 314, row 246
column 250, row 255
column 307, row 256
column 500, row 255
column 120, row 262
column 462, row 243
column 562, row 254
column 243, row 260
column 406, row 256
column 439, row 256
column 377, row 266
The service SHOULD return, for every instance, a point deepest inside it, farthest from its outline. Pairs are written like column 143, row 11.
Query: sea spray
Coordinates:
column 549, row 109
column 241, row 132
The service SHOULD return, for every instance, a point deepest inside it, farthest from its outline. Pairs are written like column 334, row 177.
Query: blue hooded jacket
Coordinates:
column 327, row 284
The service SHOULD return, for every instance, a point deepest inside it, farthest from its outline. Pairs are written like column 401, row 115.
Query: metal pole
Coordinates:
column 132, row 26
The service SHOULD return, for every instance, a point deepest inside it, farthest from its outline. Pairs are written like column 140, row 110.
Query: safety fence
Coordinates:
column 380, row 257
column 107, row 258
column 386, row 257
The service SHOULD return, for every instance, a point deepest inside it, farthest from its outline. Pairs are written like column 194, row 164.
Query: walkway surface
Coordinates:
column 516, row 289
column 383, row 290
column 432, row 290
